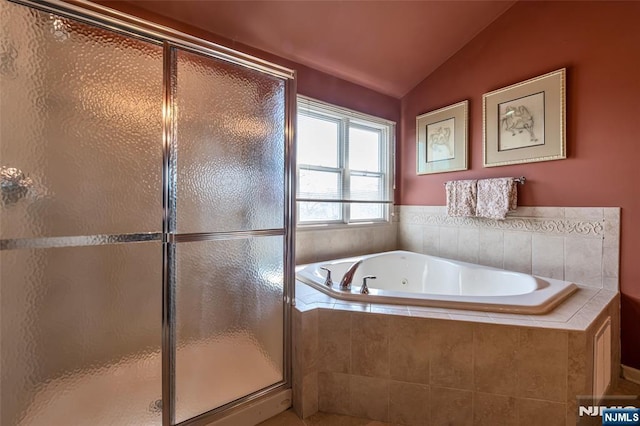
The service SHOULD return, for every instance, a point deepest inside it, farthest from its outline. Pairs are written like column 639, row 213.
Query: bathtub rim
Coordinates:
column 541, row 302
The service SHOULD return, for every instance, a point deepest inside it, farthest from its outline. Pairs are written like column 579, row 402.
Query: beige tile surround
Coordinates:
column 414, row 370
column 420, row 365
column 316, row 244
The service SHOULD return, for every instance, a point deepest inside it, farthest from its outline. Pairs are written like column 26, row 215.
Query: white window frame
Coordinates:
column 347, row 118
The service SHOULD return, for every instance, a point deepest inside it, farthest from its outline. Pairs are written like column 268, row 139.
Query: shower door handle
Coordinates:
column 14, row 184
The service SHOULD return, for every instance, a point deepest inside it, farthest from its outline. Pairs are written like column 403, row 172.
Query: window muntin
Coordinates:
column 343, row 156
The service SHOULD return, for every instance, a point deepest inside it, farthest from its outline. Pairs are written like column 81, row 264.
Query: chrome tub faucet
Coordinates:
column 365, row 289
column 345, row 282
column 328, row 282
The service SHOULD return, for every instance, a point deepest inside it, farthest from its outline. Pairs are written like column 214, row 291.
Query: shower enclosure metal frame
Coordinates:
column 171, row 39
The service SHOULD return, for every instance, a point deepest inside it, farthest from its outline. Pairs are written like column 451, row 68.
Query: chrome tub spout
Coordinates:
column 345, row 282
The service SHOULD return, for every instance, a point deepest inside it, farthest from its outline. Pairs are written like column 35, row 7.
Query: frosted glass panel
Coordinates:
column 229, row 321
column 82, row 118
column 230, row 141
column 81, row 335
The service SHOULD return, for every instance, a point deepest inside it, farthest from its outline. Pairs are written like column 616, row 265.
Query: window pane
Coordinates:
column 367, row 211
column 332, row 161
column 317, row 141
column 364, row 149
column 317, row 184
column 312, row 211
column 366, row 188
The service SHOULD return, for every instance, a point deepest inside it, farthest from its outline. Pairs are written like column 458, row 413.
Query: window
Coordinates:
column 344, row 165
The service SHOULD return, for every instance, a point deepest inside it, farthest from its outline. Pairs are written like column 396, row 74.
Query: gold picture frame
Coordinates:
column 525, row 122
column 441, row 140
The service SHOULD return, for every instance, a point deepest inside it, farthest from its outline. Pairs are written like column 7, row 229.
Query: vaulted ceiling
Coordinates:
column 388, row 46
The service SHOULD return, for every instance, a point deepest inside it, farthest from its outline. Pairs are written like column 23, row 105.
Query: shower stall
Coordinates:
column 146, row 222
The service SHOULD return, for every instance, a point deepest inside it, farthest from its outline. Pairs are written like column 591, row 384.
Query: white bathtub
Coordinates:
column 408, row 278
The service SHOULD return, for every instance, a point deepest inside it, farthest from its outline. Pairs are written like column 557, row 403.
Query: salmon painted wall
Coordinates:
column 599, row 44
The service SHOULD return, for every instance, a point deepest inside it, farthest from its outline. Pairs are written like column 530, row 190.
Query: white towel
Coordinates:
column 461, row 198
column 496, row 197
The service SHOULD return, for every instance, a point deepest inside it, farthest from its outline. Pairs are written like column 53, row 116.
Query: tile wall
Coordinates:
column 417, row 371
column 572, row 244
column 335, row 243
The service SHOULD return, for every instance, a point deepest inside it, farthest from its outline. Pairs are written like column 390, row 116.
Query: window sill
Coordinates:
column 330, row 226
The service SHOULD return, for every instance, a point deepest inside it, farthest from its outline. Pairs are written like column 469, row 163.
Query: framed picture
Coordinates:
column 441, row 139
column 525, row 122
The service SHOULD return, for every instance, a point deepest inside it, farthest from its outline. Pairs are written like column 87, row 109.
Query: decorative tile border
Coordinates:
column 561, row 226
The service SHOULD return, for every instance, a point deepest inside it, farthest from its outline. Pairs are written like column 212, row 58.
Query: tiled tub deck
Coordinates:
column 420, row 365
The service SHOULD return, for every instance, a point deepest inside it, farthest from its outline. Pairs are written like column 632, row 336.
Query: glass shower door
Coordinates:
column 80, row 223
column 145, row 227
column 229, row 229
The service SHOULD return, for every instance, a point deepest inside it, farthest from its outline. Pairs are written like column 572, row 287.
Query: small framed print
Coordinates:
column 441, row 139
column 525, row 122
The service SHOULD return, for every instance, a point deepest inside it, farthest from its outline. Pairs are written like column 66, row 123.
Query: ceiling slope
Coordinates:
column 387, row 46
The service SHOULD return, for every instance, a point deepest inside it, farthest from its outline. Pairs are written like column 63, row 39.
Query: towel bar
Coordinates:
column 521, row 180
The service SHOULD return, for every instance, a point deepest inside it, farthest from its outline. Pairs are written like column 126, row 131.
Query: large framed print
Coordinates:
column 441, row 139
column 525, row 122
